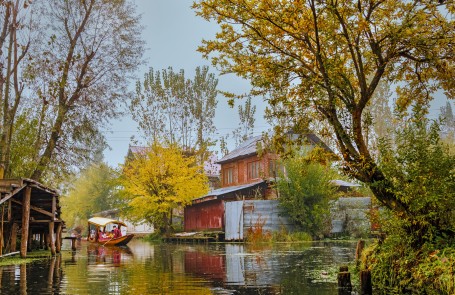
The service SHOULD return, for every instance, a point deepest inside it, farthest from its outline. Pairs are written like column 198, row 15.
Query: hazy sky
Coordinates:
column 173, row 33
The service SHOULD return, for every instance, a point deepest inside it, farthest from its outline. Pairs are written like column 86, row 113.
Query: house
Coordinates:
column 246, row 174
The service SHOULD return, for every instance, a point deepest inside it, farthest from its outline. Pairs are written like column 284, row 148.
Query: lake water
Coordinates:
column 145, row 268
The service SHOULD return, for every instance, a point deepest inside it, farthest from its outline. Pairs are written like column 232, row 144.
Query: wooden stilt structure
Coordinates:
column 35, row 208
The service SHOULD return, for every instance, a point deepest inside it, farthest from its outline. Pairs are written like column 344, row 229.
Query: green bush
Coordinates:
column 417, row 254
column 304, row 192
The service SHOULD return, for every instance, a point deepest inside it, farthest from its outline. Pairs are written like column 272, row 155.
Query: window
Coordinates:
column 228, row 175
column 275, row 169
column 253, row 169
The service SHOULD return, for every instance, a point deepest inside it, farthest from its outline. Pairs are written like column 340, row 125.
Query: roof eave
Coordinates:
column 236, row 158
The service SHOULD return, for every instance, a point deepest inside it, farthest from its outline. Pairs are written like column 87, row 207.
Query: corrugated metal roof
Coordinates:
column 249, row 147
column 338, row 182
column 230, row 189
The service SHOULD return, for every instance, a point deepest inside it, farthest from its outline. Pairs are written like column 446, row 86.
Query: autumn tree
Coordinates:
column 331, row 56
column 169, row 107
column 159, row 181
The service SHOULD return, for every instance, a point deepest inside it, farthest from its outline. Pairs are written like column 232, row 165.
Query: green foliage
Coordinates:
column 418, row 252
column 305, row 193
column 422, row 174
column 159, row 181
column 397, row 267
column 93, row 190
column 23, row 147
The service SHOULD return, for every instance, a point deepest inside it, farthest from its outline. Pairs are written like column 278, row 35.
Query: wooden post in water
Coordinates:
column 25, row 220
column 51, row 226
column 366, row 287
column 358, row 251
column 23, row 279
column 1, row 238
column 58, row 240
column 51, row 238
column 13, row 237
column 41, row 240
column 30, row 240
column 344, row 281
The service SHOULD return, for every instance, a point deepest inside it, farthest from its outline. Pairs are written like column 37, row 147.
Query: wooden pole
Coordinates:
column 73, row 244
column 41, row 240
column 46, row 241
column 51, row 226
column 25, row 220
column 50, row 275
column 13, row 237
column 366, row 288
column 1, row 238
column 51, row 238
column 58, row 240
column 30, row 240
column 344, row 281
column 358, row 251
column 23, row 279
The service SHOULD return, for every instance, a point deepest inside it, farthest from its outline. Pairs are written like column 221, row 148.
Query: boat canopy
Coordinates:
column 102, row 221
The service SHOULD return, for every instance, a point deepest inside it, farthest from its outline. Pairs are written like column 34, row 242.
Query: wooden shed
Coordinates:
column 207, row 213
column 32, row 212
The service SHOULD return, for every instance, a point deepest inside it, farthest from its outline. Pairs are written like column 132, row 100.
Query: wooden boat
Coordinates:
column 101, row 231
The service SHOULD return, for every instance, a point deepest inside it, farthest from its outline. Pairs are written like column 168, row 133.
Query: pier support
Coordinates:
column 25, row 221
column 51, row 238
column 366, row 287
column 344, row 281
column 58, row 240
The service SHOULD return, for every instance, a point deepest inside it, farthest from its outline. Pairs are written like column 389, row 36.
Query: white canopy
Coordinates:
column 102, row 221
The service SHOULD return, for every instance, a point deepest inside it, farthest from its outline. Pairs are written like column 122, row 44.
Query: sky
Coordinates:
column 172, row 34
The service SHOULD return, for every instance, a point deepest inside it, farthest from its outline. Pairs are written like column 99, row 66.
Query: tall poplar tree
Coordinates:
column 172, row 108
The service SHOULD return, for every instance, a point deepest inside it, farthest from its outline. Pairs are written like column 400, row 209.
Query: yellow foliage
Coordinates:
column 161, row 180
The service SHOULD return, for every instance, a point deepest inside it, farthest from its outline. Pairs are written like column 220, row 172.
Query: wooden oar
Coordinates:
column 108, row 241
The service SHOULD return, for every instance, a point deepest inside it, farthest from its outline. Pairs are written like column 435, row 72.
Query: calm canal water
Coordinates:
column 144, row 268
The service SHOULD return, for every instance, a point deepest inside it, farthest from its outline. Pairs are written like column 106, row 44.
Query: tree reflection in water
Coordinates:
column 144, row 268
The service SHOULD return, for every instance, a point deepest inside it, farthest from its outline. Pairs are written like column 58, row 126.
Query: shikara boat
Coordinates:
column 101, row 231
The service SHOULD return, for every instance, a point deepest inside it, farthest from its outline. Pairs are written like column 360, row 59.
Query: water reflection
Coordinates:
column 143, row 268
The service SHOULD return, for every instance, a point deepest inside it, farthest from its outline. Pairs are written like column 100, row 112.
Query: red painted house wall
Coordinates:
column 208, row 215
